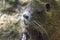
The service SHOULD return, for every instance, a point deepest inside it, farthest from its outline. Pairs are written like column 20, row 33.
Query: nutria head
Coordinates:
column 33, row 12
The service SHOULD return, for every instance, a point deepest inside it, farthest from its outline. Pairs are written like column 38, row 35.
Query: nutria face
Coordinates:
column 32, row 12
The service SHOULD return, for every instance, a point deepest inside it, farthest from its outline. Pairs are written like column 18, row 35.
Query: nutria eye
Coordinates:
column 38, row 12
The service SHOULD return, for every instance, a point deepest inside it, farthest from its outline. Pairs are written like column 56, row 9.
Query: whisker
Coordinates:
column 40, row 26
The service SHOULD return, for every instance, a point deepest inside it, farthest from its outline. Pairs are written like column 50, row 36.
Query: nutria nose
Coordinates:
column 25, row 16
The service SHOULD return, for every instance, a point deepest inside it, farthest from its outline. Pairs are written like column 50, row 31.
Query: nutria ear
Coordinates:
column 47, row 6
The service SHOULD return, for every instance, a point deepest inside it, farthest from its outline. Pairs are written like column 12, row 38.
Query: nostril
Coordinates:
column 25, row 16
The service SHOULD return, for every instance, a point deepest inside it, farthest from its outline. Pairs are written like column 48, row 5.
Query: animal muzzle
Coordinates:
column 26, row 15
column 26, row 18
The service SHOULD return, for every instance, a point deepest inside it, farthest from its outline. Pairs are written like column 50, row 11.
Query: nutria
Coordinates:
column 31, row 18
